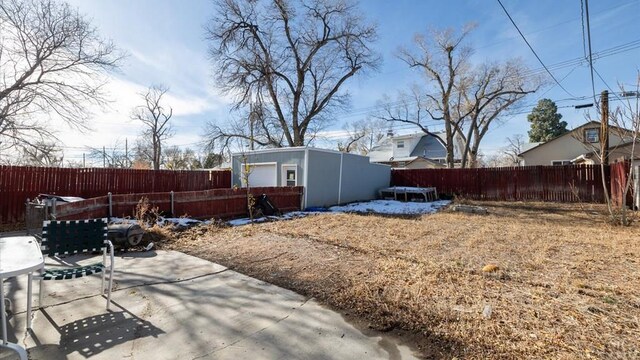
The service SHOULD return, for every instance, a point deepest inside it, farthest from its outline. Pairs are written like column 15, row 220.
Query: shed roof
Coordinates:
column 294, row 148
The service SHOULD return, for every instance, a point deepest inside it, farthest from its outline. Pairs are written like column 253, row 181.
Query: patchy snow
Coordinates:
column 181, row 222
column 286, row 216
column 117, row 220
column 245, row 221
column 187, row 222
column 392, row 207
column 409, row 188
column 389, row 207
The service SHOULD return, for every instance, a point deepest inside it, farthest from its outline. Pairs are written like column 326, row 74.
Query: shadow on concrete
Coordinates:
column 252, row 314
column 92, row 335
column 136, row 254
column 10, row 303
column 205, row 310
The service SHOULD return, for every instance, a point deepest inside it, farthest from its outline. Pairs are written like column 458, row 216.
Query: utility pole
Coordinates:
column 126, row 152
column 604, row 126
column 104, row 157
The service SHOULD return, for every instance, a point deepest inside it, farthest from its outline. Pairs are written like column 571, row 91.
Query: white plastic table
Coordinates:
column 18, row 255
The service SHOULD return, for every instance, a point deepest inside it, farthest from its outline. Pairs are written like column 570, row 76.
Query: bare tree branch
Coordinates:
column 155, row 118
column 467, row 98
column 362, row 136
column 51, row 66
column 292, row 56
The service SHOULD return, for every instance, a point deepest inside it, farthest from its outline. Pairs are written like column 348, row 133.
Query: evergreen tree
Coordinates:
column 545, row 122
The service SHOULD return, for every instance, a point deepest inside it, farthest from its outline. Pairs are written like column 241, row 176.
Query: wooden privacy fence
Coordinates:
column 206, row 204
column 619, row 175
column 570, row 183
column 18, row 183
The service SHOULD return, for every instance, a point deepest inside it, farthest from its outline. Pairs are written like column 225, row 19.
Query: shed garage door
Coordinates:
column 262, row 175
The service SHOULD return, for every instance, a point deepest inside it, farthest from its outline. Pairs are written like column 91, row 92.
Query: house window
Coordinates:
column 560, row 162
column 291, row 178
column 400, row 144
column 592, row 135
column 289, row 175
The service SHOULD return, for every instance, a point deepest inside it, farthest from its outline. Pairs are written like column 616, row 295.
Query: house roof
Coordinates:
column 303, row 148
column 422, row 158
column 568, row 133
column 383, row 152
column 424, row 142
column 590, row 154
column 406, row 158
column 626, row 144
column 411, row 159
column 529, row 146
column 408, row 136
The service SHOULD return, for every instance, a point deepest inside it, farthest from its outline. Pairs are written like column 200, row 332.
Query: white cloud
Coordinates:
column 112, row 122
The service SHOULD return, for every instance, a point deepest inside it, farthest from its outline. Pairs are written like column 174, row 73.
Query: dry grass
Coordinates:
column 559, row 281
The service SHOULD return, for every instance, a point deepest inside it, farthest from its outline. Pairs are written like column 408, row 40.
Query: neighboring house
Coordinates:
column 413, row 151
column 329, row 177
column 616, row 153
column 576, row 146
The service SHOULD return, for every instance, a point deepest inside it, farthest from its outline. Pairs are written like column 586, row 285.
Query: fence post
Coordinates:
column 172, row 211
column 27, row 216
column 110, row 206
column 53, row 208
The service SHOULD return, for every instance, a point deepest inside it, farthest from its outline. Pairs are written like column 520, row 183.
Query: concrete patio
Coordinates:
column 168, row 305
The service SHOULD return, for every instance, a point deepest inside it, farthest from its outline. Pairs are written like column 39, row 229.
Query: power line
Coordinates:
column 584, row 45
column 605, row 83
column 606, row 10
column 615, row 50
column 593, row 84
column 533, row 51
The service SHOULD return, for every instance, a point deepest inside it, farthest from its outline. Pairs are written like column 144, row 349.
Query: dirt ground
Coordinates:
column 528, row 280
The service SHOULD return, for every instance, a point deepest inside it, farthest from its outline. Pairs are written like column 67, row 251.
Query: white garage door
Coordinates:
column 262, row 175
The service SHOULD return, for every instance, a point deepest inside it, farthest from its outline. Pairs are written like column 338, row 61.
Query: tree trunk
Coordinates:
column 298, row 139
column 449, row 144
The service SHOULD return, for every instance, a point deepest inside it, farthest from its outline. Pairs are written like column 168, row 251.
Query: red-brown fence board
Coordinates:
column 19, row 183
column 206, row 204
column 571, row 183
column 619, row 176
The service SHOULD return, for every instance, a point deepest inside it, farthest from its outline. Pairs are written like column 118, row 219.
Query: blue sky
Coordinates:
column 166, row 44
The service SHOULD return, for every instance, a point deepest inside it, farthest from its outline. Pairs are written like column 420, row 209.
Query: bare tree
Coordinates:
column 466, row 98
column 363, row 135
column 626, row 121
column 291, row 59
column 114, row 156
column 411, row 107
column 506, row 156
column 42, row 154
column 178, row 159
column 492, row 161
column 51, row 66
column 515, row 146
column 155, row 118
column 624, row 129
column 350, row 144
column 441, row 57
column 487, row 93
